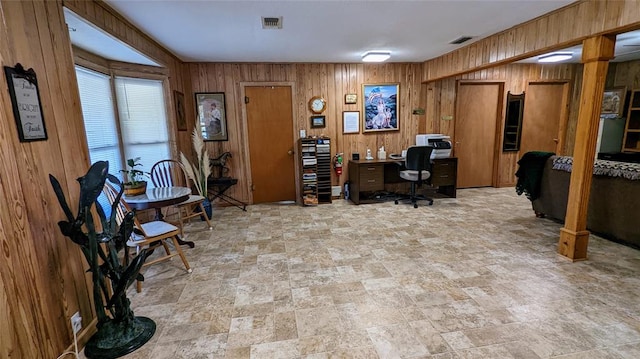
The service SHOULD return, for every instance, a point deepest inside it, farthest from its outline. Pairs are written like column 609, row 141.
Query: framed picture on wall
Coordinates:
column 613, row 102
column 25, row 101
column 211, row 115
column 181, row 120
column 317, row 122
column 380, row 107
column 351, row 122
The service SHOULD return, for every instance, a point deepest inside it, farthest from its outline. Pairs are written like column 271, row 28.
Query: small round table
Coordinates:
column 157, row 198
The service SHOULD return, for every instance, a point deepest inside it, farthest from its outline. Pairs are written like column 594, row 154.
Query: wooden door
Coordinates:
column 270, row 130
column 475, row 133
column 544, row 117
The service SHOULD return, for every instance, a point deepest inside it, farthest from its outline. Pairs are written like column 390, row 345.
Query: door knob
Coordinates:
column 555, row 140
column 253, row 187
column 290, row 152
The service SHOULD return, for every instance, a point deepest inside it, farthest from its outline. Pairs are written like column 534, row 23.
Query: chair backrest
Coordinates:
column 169, row 173
column 418, row 158
column 122, row 208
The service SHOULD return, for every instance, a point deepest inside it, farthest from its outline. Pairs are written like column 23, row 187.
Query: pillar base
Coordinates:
column 573, row 245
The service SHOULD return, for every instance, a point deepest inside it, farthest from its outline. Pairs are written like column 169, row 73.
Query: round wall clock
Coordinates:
column 317, row 104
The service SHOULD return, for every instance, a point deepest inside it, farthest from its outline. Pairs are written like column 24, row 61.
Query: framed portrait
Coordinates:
column 317, row 122
column 211, row 115
column 181, row 120
column 25, row 101
column 613, row 102
column 380, row 107
column 351, row 122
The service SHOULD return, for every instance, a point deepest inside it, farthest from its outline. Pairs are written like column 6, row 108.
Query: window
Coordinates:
column 139, row 130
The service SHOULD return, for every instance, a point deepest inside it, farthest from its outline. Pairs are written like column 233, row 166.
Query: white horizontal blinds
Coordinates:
column 99, row 123
column 99, row 118
column 143, row 120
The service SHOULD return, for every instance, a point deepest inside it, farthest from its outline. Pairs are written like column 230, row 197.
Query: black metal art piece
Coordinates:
column 119, row 331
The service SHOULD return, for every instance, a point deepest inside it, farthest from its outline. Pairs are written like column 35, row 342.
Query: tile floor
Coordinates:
column 472, row 277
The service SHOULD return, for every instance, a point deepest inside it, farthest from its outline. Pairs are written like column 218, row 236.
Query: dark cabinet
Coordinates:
column 315, row 162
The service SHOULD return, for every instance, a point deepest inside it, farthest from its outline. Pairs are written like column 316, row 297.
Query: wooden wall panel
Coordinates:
column 562, row 28
column 43, row 279
column 332, row 81
column 441, row 102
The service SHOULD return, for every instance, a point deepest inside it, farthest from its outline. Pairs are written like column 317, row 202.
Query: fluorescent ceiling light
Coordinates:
column 555, row 57
column 376, row 56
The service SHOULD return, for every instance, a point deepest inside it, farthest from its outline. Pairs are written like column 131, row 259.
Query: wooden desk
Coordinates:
column 367, row 177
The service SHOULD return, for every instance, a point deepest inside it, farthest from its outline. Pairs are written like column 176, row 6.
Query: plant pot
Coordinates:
column 208, row 210
column 135, row 189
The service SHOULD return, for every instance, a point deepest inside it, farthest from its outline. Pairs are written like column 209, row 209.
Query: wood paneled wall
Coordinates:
column 564, row 27
column 42, row 273
column 441, row 102
column 332, row 81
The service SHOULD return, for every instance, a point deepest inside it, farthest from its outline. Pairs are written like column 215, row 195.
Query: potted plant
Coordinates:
column 135, row 183
column 200, row 171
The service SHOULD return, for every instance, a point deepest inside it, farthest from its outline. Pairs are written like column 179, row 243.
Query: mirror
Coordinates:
column 513, row 122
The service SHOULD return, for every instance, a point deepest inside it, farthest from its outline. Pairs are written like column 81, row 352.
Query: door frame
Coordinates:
column 498, row 122
column 564, row 114
column 244, row 128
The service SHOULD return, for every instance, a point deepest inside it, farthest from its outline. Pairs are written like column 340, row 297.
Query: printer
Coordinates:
column 441, row 144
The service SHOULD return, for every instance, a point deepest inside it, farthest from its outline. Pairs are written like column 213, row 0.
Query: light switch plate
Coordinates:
column 303, row 133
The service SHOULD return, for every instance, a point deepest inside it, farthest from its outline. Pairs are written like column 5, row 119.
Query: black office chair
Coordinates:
column 418, row 171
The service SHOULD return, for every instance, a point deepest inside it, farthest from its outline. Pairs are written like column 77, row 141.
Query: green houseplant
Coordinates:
column 135, row 183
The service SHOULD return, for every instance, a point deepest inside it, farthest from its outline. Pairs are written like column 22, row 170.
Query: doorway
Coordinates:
column 475, row 132
column 270, row 139
column 545, row 117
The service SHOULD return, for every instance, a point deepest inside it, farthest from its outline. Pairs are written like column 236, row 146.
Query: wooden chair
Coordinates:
column 169, row 173
column 151, row 234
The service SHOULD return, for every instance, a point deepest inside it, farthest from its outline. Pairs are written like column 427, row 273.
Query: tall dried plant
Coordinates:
column 200, row 171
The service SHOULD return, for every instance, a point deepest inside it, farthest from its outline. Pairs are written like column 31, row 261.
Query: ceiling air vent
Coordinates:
column 272, row 22
column 460, row 40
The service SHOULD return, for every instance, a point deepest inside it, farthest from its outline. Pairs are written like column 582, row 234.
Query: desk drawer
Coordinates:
column 371, row 177
column 443, row 173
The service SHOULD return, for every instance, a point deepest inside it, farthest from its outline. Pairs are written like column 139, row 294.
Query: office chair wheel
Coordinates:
column 430, row 202
column 396, row 201
column 415, row 205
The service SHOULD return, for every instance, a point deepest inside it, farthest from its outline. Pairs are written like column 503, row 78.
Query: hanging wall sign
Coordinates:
column 25, row 99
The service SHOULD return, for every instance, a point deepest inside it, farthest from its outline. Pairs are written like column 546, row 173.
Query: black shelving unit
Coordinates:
column 315, row 164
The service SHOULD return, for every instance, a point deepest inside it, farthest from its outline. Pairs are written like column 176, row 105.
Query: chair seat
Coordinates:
column 152, row 229
column 194, row 198
column 411, row 175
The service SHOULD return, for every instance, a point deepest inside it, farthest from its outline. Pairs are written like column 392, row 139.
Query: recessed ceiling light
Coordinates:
column 376, row 56
column 555, row 57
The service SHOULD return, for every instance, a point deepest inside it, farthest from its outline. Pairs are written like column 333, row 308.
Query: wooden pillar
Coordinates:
column 574, row 237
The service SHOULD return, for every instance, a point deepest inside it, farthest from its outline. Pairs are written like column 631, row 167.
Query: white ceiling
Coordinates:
column 316, row 30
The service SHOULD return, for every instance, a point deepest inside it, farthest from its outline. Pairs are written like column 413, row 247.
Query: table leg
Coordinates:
column 160, row 217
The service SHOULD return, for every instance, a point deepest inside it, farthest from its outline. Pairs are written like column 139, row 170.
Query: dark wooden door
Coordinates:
column 270, row 128
column 475, row 133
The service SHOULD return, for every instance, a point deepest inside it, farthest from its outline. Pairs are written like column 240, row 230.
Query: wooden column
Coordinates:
column 574, row 237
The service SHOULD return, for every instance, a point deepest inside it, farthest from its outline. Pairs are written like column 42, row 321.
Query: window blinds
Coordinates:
column 143, row 120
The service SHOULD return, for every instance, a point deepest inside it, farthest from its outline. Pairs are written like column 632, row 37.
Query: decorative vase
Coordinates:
column 208, row 210
column 135, row 189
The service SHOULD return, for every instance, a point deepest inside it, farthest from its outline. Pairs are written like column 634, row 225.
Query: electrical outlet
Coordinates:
column 76, row 322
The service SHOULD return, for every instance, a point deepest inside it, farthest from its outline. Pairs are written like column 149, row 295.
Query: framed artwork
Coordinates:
column 350, row 98
column 317, row 122
column 613, row 102
column 351, row 122
column 211, row 115
column 25, row 101
column 380, row 107
column 178, row 98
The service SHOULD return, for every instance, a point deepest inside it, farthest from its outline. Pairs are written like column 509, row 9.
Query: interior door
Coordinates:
column 270, row 129
column 544, row 116
column 475, row 133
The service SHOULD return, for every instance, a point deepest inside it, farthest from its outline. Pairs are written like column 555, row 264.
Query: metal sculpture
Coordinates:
column 119, row 331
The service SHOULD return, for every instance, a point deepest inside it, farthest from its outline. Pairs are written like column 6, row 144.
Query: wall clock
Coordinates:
column 317, row 104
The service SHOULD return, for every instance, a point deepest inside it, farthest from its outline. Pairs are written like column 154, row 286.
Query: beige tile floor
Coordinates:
column 472, row 277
